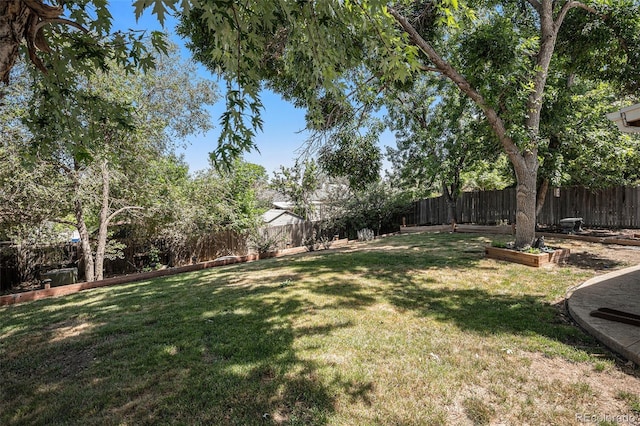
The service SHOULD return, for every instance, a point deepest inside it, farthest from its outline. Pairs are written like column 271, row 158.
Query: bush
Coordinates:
column 262, row 242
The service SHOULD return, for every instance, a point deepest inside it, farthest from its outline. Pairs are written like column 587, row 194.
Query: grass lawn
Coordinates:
column 413, row 329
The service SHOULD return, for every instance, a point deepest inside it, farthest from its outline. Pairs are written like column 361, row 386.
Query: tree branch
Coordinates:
column 44, row 11
column 431, row 69
column 59, row 21
column 64, row 222
column 568, row 6
column 121, row 210
column 536, row 5
column 446, row 69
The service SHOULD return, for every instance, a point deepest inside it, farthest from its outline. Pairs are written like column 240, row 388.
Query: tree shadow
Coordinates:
column 592, row 262
column 475, row 310
column 218, row 346
column 485, row 313
column 209, row 355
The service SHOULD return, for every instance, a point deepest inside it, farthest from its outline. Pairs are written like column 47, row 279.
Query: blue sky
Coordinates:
column 283, row 133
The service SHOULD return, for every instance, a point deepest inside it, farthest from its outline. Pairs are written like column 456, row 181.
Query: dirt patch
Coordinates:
column 602, row 391
column 550, row 390
column 597, row 256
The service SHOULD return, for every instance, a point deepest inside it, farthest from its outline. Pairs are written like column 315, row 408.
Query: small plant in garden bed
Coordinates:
column 531, row 250
column 537, row 248
column 535, row 255
column 366, row 234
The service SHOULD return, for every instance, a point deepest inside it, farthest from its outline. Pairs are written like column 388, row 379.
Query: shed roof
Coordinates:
column 272, row 214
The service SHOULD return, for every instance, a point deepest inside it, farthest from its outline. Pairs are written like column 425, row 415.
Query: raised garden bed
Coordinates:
column 530, row 259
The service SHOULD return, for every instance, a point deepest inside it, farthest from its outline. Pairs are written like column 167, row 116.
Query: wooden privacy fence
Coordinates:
column 612, row 207
column 26, row 264
column 616, row 207
column 287, row 236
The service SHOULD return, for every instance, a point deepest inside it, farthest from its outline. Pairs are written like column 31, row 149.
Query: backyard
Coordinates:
column 410, row 329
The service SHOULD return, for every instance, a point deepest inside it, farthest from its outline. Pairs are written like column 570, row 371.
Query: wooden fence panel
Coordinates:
column 612, row 208
column 139, row 255
column 286, row 236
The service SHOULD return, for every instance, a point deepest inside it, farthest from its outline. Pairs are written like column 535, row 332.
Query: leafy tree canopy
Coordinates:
column 57, row 35
column 343, row 50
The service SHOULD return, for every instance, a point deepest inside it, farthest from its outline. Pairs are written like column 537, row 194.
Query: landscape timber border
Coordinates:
column 27, row 296
column 510, row 230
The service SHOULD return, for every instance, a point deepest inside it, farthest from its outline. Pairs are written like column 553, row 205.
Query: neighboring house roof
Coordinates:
column 278, row 217
column 283, row 205
column 320, row 200
column 627, row 119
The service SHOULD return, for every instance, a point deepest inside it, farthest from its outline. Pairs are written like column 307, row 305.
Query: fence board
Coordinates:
column 611, row 208
column 137, row 254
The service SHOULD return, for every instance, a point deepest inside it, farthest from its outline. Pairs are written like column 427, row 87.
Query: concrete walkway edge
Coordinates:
column 618, row 290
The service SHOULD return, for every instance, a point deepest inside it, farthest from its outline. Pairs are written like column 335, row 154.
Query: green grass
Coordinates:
column 416, row 329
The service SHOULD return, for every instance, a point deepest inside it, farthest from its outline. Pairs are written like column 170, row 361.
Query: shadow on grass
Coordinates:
column 590, row 261
column 206, row 355
column 485, row 313
column 218, row 346
column 475, row 310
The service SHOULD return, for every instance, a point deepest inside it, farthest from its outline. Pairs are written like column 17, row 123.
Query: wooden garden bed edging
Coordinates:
column 591, row 239
column 487, row 229
column 11, row 299
column 480, row 229
column 529, row 259
column 428, row 228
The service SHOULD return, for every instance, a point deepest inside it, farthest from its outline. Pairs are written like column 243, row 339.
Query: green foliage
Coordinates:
column 375, row 207
column 486, row 175
column 298, row 183
column 71, row 41
column 98, row 161
column 220, row 198
column 584, row 147
column 604, row 46
column 303, row 49
column 352, row 156
column 335, row 56
column 263, row 242
column 366, row 234
column 441, row 142
column 114, row 249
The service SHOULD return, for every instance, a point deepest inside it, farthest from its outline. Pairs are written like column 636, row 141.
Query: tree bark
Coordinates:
column 542, row 195
column 526, row 176
column 524, row 162
column 104, row 222
column 451, row 195
column 21, row 21
column 85, row 242
column 14, row 17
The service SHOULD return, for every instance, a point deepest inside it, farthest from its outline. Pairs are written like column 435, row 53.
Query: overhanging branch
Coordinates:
column 446, row 69
column 122, row 210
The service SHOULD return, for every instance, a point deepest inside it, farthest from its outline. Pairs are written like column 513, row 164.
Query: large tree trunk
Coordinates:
column 104, row 223
column 526, row 173
column 525, row 162
column 542, row 195
column 85, row 243
column 451, row 196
